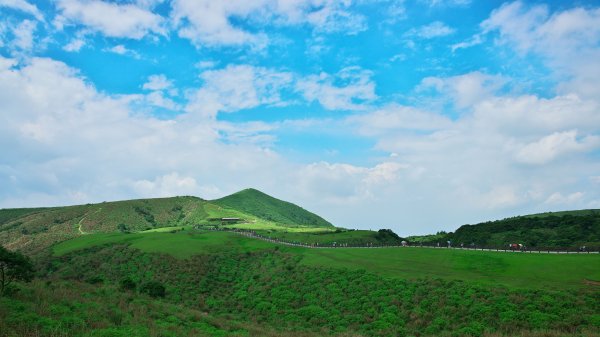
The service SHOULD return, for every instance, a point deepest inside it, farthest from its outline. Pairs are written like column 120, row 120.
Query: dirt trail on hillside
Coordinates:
column 80, row 223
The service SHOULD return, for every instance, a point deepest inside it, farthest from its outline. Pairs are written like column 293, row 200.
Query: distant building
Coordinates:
column 226, row 221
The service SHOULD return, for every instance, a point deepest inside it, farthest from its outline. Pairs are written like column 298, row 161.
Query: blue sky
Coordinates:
column 412, row 115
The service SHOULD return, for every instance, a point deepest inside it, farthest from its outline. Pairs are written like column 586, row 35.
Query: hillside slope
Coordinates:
column 568, row 229
column 264, row 206
column 33, row 229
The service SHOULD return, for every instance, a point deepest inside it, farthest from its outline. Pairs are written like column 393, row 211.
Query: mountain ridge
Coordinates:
column 34, row 229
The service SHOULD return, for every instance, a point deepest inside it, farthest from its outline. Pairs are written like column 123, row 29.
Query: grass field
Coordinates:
column 181, row 244
column 324, row 237
column 274, row 227
column 514, row 270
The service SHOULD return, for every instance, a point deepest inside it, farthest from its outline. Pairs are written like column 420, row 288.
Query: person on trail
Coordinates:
column 462, row 245
column 449, row 243
column 438, row 244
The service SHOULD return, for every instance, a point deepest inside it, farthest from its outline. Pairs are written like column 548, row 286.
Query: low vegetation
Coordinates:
column 273, row 288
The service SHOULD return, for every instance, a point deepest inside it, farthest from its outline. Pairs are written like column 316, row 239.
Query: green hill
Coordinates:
column 261, row 205
column 559, row 230
column 33, row 229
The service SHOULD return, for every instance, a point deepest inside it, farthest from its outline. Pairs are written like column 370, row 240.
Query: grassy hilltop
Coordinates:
column 33, row 229
column 264, row 206
column 142, row 268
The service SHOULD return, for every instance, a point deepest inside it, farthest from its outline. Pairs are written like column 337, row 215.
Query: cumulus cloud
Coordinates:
column 85, row 144
column 568, row 41
column 157, row 82
column 74, row 46
column 211, row 23
column 464, row 90
column 350, row 89
column 24, row 35
column 555, row 145
column 237, row 87
column 340, row 183
column 166, row 185
column 395, row 117
column 24, row 6
column 122, row 50
column 111, row 19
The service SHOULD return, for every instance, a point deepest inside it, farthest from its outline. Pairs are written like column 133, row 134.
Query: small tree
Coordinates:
column 153, row 288
column 13, row 266
column 127, row 284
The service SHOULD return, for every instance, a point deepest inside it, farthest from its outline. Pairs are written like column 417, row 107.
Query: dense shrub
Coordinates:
column 274, row 289
column 153, row 288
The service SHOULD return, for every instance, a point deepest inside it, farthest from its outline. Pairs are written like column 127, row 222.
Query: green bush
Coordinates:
column 153, row 289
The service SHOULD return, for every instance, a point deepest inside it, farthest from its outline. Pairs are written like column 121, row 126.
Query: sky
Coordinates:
column 413, row 115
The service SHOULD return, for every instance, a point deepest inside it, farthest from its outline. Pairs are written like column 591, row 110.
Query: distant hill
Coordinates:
column 264, row 206
column 568, row 229
column 34, row 229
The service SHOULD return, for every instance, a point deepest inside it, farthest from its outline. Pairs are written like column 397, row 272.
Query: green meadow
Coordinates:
column 515, row 270
column 183, row 244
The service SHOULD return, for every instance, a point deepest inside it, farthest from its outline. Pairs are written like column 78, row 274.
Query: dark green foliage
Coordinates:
column 153, row 289
column 127, row 284
column 147, row 214
column 14, row 266
column 11, row 214
column 545, row 231
column 95, row 280
column 388, row 237
column 78, row 309
column 123, row 228
column 272, row 289
column 261, row 205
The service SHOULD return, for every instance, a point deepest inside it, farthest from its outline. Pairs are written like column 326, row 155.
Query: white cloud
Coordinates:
column 111, row 19
column 24, row 35
column 210, row 22
column 558, row 198
column 157, row 82
column 350, row 89
column 237, row 87
column 465, row 90
column 23, row 6
column 445, row 3
column 394, row 118
column 430, row 31
column 85, row 144
column 75, row 45
column 559, row 38
column 475, row 40
column 555, row 145
column 344, row 184
column 122, row 50
column 206, row 64
column 166, row 185
column 500, row 197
